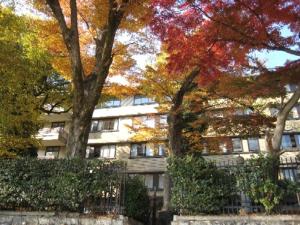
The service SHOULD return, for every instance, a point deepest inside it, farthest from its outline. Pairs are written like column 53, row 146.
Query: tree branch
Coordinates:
column 178, row 98
column 58, row 14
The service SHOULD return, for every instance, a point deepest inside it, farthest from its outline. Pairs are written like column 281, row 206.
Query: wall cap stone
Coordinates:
column 239, row 218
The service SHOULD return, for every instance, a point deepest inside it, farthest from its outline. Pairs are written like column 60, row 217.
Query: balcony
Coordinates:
column 144, row 165
column 53, row 136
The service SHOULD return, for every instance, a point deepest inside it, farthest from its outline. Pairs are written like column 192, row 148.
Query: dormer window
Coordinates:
column 142, row 100
column 112, row 103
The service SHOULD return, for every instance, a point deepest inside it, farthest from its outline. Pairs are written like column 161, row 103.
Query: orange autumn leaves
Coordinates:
column 92, row 20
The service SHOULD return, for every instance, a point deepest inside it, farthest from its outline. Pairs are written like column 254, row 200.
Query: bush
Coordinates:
column 258, row 179
column 137, row 203
column 62, row 184
column 198, row 186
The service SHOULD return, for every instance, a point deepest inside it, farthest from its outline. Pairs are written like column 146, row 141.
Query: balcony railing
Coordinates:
column 57, row 133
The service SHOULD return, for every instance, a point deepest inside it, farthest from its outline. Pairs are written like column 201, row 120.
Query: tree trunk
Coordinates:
column 86, row 89
column 79, row 131
column 273, row 140
column 175, row 127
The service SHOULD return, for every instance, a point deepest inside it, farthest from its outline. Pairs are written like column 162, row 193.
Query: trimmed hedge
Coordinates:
column 137, row 202
column 52, row 185
column 199, row 186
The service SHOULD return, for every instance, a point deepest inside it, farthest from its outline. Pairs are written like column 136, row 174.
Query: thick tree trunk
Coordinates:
column 175, row 127
column 87, row 89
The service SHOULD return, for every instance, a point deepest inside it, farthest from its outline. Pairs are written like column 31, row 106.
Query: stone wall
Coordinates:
column 237, row 220
column 51, row 218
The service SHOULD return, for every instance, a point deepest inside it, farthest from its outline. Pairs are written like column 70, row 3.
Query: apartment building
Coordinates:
column 112, row 137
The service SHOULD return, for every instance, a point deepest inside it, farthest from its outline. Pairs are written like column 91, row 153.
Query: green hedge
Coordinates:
column 198, row 186
column 137, row 202
column 63, row 184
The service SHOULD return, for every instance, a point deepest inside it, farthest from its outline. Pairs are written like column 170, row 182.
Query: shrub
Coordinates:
column 137, row 203
column 258, row 179
column 62, row 184
column 198, row 186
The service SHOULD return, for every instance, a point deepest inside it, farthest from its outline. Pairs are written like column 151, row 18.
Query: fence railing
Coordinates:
column 289, row 170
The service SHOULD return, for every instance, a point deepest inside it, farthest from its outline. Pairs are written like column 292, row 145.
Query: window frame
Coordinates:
column 148, row 102
column 103, row 105
column 145, row 147
column 59, row 123
column 97, row 130
column 255, row 150
column 54, row 149
column 233, row 149
column 100, row 148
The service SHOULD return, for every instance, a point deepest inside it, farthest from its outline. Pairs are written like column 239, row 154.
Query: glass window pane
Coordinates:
column 112, row 103
column 237, row 144
column 286, row 142
column 149, row 181
column 297, row 139
column 141, row 149
column 112, row 151
column 161, row 149
column 149, row 150
column 161, row 181
column 94, row 126
column 133, row 152
column 253, row 144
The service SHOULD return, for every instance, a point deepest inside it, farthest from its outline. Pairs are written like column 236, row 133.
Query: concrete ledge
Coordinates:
column 61, row 218
column 237, row 220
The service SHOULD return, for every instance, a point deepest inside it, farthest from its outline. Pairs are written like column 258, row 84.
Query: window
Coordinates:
column 237, row 145
column 291, row 87
column 288, row 141
column 160, row 181
column 162, row 150
column 148, row 150
column 294, row 113
column 52, row 151
column 253, row 144
column 288, row 174
column 149, row 181
column 112, row 103
column 105, row 125
column 297, row 139
column 163, row 121
column 103, row 152
column 58, row 125
column 141, row 150
column 142, row 100
column 154, row 181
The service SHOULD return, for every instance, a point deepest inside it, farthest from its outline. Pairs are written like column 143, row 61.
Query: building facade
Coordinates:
column 113, row 130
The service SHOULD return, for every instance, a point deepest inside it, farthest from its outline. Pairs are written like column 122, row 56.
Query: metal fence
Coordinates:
column 112, row 197
column 289, row 170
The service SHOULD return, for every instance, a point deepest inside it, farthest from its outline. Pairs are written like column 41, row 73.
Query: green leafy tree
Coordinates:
column 29, row 85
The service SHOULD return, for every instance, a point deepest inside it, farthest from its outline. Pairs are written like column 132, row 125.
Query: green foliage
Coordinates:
column 49, row 185
column 198, row 186
column 137, row 203
column 258, row 179
column 28, row 83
